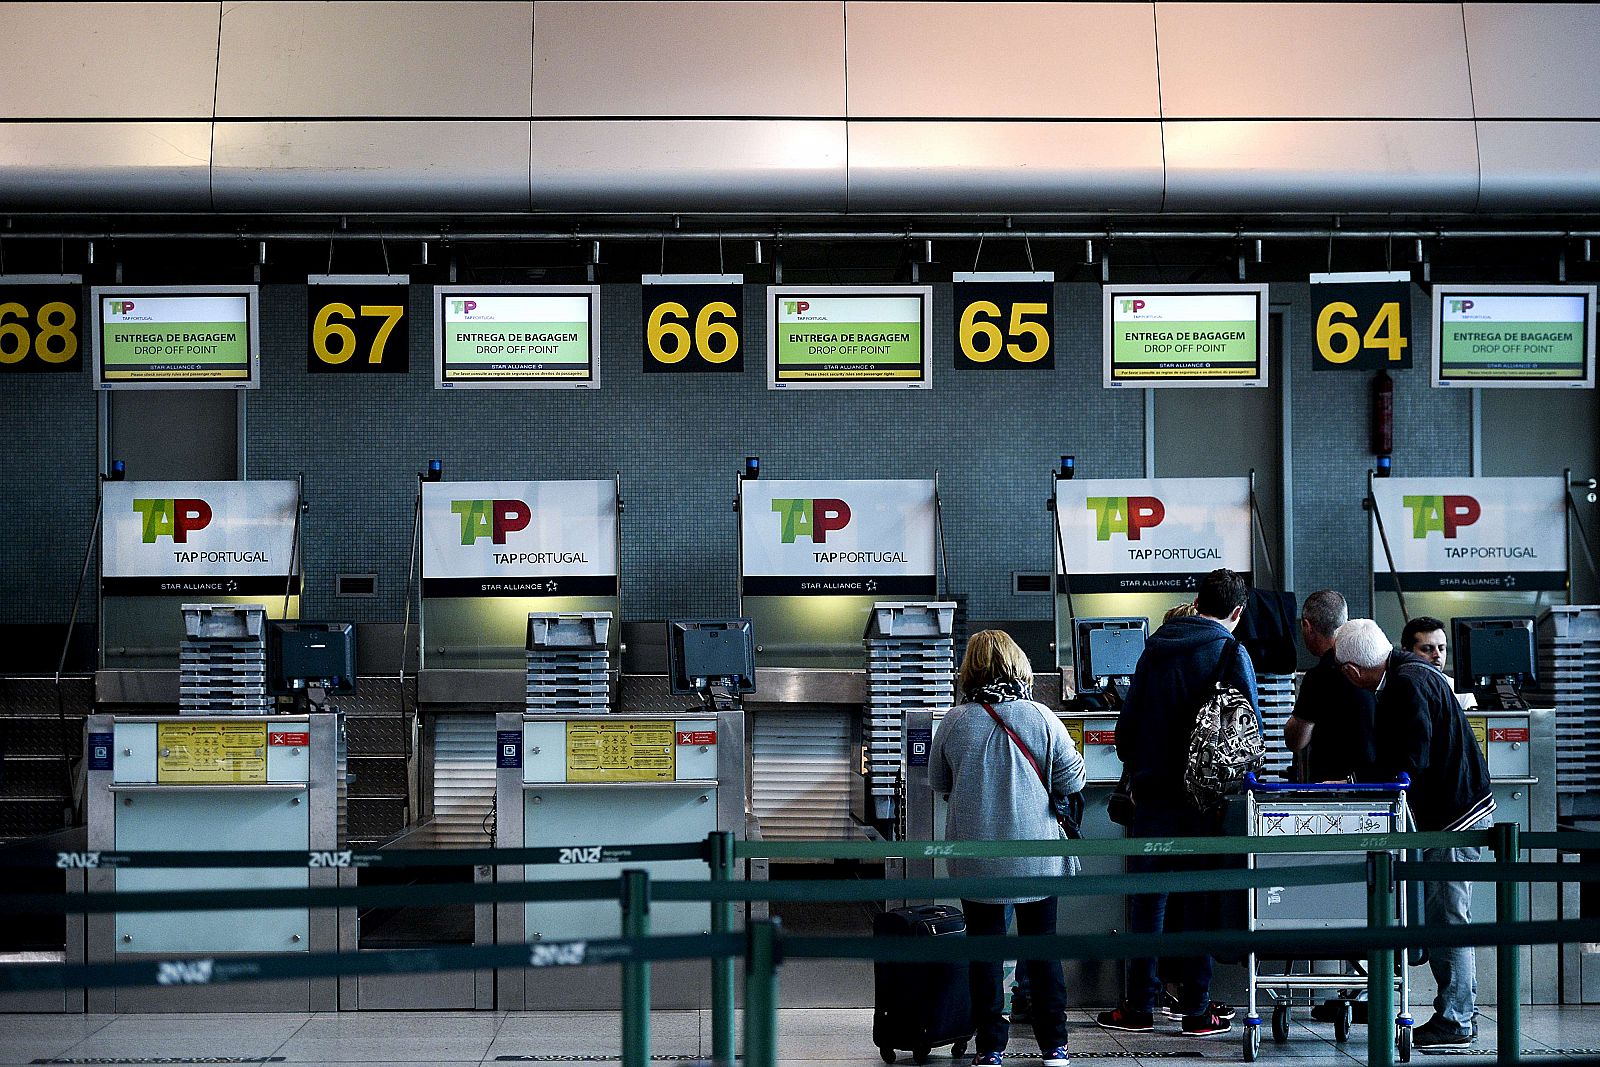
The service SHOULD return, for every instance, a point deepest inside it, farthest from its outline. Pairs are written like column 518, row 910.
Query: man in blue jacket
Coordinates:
column 1170, row 684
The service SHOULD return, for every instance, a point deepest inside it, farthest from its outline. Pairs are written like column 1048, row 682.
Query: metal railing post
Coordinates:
column 720, row 845
column 1508, row 958
column 635, row 976
column 761, row 995
column 1380, row 962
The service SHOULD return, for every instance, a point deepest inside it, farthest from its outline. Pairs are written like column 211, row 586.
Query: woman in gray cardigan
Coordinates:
column 1007, row 763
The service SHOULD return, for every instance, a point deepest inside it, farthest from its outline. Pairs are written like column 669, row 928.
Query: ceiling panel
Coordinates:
column 1534, row 60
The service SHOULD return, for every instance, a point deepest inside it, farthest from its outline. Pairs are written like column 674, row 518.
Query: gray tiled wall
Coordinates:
column 679, row 440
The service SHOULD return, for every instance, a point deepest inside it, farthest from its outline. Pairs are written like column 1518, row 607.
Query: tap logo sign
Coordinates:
column 494, row 519
column 1126, row 515
column 838, row 538
column 811, row 518
column 521, row 539
column 1155, row 535
column 1445, row 515
column 199, row 538
column 1467, row 534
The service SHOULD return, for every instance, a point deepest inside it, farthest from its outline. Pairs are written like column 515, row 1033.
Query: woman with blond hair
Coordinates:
column 1007, row 765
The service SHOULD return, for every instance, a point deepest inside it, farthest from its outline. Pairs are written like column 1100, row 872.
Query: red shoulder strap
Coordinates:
column 995, row 715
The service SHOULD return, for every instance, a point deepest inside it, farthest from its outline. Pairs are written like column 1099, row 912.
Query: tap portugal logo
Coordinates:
column 122, row 307
column 463, row 307
column 796, row 307
column 1441, row 514
column 811, row 518
column 1131, row 306
column 1460, row 307
column 176, row 518
column 1126, row 515
column 494, row 519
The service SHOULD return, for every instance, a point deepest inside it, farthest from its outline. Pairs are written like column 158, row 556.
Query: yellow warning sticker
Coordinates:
column 1075, row 731
column 206, row 753
column 621, row 751
column 1480, row 731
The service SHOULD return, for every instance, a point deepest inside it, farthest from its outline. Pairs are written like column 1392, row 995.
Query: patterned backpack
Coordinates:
column 1225, row 743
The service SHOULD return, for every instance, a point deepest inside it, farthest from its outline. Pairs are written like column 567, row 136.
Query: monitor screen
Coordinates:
column 176, row 337
column 1109, row 648
column 1493, row 648
column 841, row 337
column 515, row 337
column 302, row 654
column 702, row 653
column 1514, row 336
column 1185, row 335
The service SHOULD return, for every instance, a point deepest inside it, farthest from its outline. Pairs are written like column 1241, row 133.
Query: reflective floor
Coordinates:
column 830, row 1037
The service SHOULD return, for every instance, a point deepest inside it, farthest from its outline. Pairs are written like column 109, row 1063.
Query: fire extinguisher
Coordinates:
column 1382, row 414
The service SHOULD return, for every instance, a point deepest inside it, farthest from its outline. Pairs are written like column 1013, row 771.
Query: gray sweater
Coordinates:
column 994, row 794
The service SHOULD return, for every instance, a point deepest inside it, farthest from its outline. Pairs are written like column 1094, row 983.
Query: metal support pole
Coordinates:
column 761, row 995
column 1508, row 958
column 635, row 976
column 720, row 844
column 1380, row 962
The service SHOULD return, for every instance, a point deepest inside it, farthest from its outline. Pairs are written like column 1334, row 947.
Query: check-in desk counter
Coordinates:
column 1092, row 981
column 213, row 784
column 1520, row 747
column 580, row 781
column 421, row 926
column 45, row 940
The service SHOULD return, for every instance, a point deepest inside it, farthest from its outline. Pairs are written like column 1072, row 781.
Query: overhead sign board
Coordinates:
column 1514, row 336
column 849, row 337
column 516, row 336
column 519, row 538
column 1143, row 535
column 693, row 323
column 1467, row 534
column 358, row 324
column 823, row 537
column 41, row 323
column 1361, row 321
column 1185, row 335
column 176, row 337
column 1004, row 321
column 198, row 538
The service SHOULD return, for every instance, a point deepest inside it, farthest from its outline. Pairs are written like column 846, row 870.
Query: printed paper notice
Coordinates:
column 625, row 751
column 206, row 753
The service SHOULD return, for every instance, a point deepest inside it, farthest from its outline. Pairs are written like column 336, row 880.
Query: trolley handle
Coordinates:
column 1399, row 785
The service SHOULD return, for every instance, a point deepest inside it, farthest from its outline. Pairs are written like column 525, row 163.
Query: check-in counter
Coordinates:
column 420, row 926
column 1092, row 981
column 213, row 784
column 46, row 940
column 575, row 782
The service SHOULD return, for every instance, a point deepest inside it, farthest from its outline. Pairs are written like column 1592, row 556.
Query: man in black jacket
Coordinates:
column 1423, row 732
column 1331, row 714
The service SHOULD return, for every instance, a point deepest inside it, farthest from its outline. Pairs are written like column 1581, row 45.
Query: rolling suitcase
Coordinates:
column 920, row 1006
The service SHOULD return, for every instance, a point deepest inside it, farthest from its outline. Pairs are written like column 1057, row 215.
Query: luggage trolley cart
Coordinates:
column 1277, row 810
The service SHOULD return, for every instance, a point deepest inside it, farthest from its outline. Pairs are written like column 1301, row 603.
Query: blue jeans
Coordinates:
column 1154, row 913
column 1455, row 970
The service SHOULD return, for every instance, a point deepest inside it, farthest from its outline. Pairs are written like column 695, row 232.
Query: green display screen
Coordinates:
column 862, row 338
column 183, row 339
column 1528, row 337
column 494, row 339
column 1189, row 337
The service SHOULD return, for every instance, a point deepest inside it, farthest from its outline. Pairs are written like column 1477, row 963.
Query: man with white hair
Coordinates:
column 1423, row 732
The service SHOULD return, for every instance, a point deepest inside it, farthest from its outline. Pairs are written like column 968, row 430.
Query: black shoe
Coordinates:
column 1128, row 1021
column 1020, row 1007
column 1437, row 1032
column 1205, row 1025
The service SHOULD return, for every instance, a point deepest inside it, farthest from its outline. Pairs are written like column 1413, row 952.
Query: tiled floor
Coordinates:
column 826, row 1037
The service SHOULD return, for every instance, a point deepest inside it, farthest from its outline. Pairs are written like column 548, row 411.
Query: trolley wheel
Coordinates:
column 920, row 1056
column 1252, row 1042
column 1280, row 1023
column 1403, row 1040
column 887, row 1054
column 959, row 1049
column 1343, row 1021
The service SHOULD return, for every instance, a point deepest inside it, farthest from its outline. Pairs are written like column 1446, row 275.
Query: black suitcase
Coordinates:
column 920, row 1006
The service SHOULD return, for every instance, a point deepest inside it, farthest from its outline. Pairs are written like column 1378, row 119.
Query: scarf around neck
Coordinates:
column 999, row 692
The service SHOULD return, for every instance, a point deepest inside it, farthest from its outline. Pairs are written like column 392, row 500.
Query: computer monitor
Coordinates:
column 303, row 655
column 1494, row 650
column 702, row 653
column 1109, row 648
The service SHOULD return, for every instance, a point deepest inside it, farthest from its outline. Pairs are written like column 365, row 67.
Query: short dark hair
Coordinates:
column 1220, row 592
column 1422, row 624
column 1325, row 611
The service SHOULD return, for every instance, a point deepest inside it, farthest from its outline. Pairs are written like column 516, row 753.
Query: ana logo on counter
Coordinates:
column 177, row 518
column 1126, row 515
column 811, row 518
column 1441, row 514
column 494, row 519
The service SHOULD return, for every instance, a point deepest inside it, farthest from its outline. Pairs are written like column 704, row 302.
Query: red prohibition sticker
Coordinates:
column 1508, row 733
column 1099, row 737
column 301, row 740
column 697, row 737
